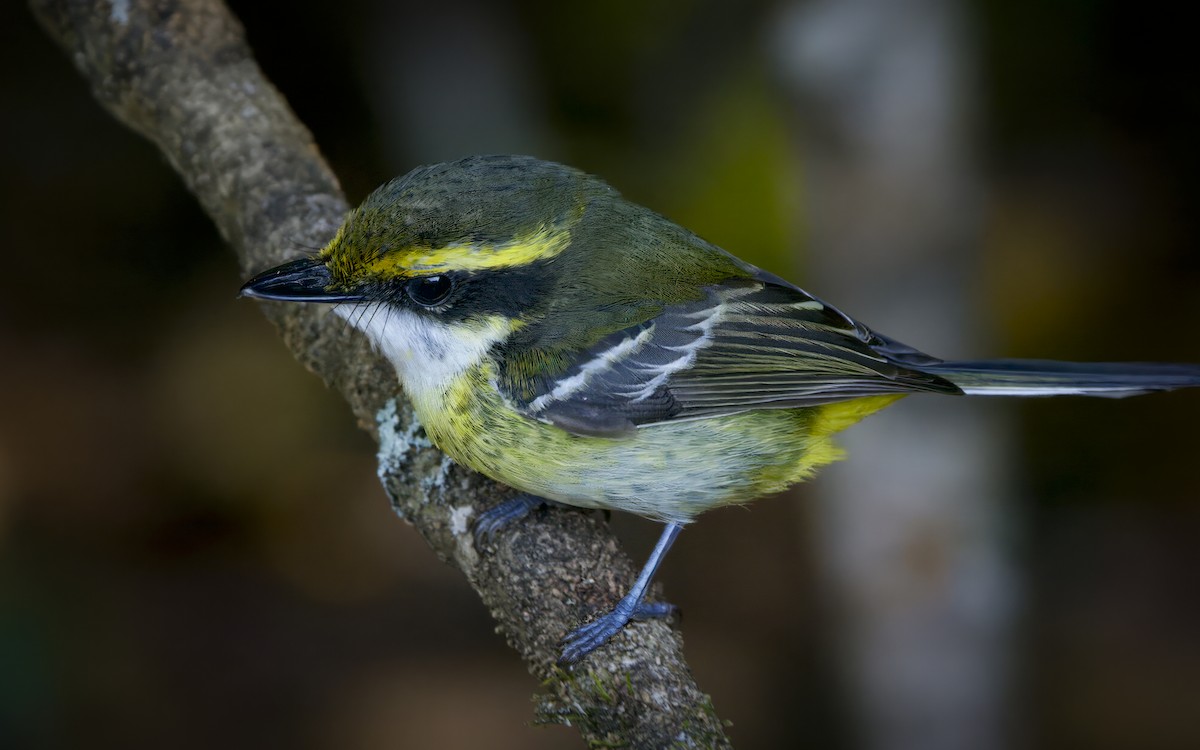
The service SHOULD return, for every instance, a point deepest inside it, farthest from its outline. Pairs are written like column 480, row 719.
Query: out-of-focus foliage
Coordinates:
column 193, row 549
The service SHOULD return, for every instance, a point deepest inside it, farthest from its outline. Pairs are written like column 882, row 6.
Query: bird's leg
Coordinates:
column 498, row 516
column 588, row 638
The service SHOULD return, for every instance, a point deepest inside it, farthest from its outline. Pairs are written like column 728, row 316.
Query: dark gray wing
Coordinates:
column 746, row 345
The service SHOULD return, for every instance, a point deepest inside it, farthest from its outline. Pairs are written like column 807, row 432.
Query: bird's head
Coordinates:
column 447, row 260
column 426, row 240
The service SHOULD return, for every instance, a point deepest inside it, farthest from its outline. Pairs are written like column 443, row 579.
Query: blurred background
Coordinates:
column 194, row 551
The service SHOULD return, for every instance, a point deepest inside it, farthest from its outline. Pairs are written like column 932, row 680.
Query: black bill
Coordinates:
column 303, row 280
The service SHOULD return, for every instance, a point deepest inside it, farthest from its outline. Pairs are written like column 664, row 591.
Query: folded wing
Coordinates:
column 752, row 344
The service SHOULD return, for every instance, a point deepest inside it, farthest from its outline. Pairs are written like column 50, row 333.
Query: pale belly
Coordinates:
column 669, row 471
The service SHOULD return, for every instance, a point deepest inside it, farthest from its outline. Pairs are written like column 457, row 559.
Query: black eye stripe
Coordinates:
column 428, row 291
column 510, row 292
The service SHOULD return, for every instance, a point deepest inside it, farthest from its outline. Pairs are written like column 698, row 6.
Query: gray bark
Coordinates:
column 180, row 73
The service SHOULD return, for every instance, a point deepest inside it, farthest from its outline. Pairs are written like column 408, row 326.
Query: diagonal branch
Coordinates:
column 179, row 72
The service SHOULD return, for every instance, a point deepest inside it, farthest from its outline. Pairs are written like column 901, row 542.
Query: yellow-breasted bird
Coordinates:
column 587, row 351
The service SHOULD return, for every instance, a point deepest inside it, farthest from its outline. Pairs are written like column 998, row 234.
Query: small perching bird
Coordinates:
column 587, row 351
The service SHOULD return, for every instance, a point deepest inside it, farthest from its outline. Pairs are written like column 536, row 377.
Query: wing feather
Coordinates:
column 749, row 344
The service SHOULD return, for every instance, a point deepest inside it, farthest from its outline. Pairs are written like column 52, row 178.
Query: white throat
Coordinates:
column 427, row 353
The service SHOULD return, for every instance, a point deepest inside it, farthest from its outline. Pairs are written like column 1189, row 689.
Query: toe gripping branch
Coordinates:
column 510, row 511
column 586, row 639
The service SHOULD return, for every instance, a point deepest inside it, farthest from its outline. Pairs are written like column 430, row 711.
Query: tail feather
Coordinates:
column 1036, row 377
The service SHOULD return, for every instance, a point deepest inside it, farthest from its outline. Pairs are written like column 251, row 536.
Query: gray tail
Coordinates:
column 1037, row 377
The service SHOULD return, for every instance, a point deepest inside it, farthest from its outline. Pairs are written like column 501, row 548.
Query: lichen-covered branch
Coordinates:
column 179, row 72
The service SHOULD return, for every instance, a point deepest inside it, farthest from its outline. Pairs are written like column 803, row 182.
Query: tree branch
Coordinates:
column 180, row 73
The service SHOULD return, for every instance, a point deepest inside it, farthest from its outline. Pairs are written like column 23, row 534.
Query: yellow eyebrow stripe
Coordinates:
column 543, row 243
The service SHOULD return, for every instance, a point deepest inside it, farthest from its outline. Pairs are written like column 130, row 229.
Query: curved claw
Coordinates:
column 583, row 641
column 498, row 516
column 592, row 636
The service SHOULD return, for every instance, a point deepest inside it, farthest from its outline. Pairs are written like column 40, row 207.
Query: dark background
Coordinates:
column 194, row 551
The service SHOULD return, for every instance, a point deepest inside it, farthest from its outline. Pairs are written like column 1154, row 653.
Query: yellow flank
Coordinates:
column 832, row 418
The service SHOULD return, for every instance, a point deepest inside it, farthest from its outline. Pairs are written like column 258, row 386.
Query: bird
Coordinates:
column 589, row 352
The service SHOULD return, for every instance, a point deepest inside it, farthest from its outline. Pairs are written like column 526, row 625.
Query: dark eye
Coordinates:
column 429, row 290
